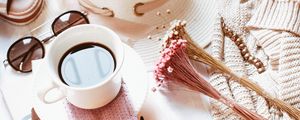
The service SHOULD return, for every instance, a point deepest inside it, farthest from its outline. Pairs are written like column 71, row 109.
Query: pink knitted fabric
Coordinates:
column 120, row 108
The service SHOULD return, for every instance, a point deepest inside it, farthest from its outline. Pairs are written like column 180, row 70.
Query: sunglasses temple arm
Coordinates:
column 46, row 40
column 40, row 26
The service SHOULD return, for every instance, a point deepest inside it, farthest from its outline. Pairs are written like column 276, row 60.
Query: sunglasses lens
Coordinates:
column 22, row 52
column 68, row 20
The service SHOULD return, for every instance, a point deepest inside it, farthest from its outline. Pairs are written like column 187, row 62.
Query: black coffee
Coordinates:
column 86, row 64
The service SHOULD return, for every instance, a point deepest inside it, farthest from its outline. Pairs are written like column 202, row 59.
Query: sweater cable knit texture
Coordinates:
column 271, row 30
column 277, row 25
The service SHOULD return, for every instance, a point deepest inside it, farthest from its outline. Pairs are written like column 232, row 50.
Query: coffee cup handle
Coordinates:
column 45, row 90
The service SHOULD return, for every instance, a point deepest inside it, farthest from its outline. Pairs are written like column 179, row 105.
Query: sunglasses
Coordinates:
column 21, row 53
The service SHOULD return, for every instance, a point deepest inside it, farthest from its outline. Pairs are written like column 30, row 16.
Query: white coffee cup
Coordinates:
column 96, row 95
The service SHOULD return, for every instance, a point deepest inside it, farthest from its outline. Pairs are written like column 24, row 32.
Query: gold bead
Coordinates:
column 234, row 36
column 238, row 40
column 251, row 58
column 168, row 11
column 258, row 64
column 234, row 40
column 225, row 28
column 244, row 51
column 158, row 13
column 242, row 46
column 255, row 60
column 246, row 56
column 230, row 33
column 260, row 70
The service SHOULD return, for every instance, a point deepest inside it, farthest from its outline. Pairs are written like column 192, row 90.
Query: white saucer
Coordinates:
column 134, row 75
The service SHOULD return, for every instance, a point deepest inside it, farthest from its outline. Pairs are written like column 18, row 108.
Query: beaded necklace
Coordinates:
column 243, row 48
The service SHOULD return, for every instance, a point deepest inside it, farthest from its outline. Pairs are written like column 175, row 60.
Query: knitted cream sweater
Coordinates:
column 271, row 30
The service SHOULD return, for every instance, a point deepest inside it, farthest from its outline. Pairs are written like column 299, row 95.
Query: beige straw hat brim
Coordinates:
column 199, row 14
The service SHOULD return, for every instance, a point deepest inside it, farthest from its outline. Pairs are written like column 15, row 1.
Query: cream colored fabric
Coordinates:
column 273, row 25
column 277, row 27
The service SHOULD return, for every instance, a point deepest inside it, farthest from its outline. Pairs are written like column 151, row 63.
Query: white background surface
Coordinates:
column 5, row 113
column 17, row 87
